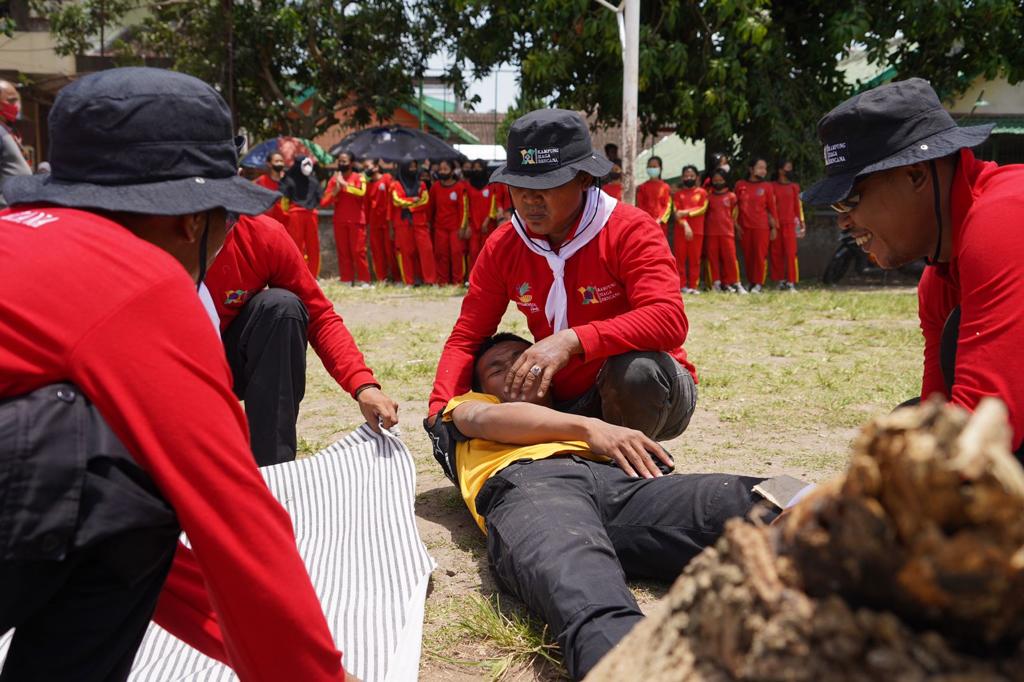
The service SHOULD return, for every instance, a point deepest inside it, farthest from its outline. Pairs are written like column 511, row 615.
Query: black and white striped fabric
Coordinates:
column 352, row 508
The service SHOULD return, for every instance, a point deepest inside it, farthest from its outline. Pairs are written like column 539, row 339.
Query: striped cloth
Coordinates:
column 352, row 508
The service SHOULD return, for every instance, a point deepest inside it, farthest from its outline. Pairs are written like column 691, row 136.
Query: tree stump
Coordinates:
column 908, row 567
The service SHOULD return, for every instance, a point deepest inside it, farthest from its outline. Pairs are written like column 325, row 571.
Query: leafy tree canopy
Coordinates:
column 747, row 76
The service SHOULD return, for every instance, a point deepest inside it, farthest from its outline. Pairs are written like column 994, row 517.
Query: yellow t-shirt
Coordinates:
column 477, row 459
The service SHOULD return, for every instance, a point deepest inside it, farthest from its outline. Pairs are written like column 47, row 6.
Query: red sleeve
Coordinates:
column 330, row 193
column 934, row 303
column 657, row 321
column 482, row 309
column 156, row 371
column 991, row 281
column 327, row 332
column 773, row 207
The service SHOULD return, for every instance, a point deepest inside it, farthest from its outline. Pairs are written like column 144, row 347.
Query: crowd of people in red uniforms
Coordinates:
column 707, row 219
column 409, row 222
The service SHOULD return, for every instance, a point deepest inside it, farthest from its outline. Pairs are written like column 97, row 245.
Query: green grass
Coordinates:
column 517, row 641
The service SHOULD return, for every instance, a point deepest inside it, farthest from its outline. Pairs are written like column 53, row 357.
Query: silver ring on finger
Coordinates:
column 536, row 370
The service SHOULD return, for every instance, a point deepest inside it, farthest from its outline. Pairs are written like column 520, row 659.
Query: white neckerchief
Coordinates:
column 211, row 310
column 596, row 211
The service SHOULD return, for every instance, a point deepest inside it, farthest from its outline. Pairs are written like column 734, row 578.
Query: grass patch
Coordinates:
column 513, row 640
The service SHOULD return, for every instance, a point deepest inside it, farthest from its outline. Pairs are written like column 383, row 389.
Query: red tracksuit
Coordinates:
column 412, row 234
column 623, row 295
column 720, row 237
column 349, row 226
column 695, row 201
column 304, row 229
column 258, row 254
column 613, row 189
column 985, row 277
column 276, row 211
column 655, row 198
column 482, row 212
column 783, row 250
column 756, row 203
column 378, row 215
column 449, row 213
column 502, row 197
column 126, row 326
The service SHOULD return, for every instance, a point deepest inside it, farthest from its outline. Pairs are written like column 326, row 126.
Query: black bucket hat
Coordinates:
column 547, row 148
column 141, row 140
column 893, row 125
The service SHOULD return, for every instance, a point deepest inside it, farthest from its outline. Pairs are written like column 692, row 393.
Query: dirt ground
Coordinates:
column 784, row 381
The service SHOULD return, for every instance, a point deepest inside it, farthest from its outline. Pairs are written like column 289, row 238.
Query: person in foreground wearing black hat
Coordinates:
column 902, row 177
column 118, row 427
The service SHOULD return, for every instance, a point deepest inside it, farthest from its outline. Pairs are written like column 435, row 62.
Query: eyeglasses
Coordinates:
column 847, row 204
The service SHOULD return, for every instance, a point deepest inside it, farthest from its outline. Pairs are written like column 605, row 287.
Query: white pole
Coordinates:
column 630, row 77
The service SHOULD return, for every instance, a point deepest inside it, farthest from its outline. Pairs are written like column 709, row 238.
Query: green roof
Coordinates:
column 437, row 121
column 1005, row 125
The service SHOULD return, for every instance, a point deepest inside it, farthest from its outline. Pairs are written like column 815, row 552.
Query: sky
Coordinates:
column 507, row 87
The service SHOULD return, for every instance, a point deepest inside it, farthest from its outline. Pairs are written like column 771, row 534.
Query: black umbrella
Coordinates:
column 397, row 143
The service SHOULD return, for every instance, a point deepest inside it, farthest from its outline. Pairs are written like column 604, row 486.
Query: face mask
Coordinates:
column 307, row 167
column 718, row 185
column 615, row 176
column 689, row 183
column 444, row 176
column 278, row 168
column 759, row 176
column 344, row 168
column 653, row 171
column 725, row 167
column 10, row 111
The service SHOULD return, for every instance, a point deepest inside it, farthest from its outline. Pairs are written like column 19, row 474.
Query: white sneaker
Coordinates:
column 756, row 289
column 366, row 285
column 695, row 292
column 791, row 287
column 717, row 286
column 783, row 285
column 738, row 289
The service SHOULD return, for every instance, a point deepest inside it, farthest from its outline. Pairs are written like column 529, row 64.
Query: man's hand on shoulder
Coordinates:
column 377, row 408
column 629, row 448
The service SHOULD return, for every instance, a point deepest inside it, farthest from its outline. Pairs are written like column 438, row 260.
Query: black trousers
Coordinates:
column 644, row 390
column 86, row 541
column 563, row 534
column 266, row 349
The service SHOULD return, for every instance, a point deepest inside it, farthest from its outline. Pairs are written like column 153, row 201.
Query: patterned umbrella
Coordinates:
column 397, row 143
column 289, row 147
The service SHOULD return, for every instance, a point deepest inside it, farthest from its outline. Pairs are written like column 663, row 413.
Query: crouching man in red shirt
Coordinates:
column 597, row 284
column 118, row 427
column 903, row 178
column 269, row 305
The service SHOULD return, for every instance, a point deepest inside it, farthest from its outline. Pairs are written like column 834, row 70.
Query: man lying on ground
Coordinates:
column 905, row 182
column 269, row 304
column 596, row 282
column 567, row 519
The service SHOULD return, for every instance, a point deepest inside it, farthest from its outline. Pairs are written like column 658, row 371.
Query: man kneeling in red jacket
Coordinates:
column 597, row 284
column 269, row 304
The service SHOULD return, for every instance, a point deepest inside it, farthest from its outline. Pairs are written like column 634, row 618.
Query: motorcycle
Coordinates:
column 848, row 255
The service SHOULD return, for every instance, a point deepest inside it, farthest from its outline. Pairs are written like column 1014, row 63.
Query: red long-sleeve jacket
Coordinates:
column 985, row 277
column 84, row 300
column 418, row 206
column 378, row 201
column 449, row 205
column 757, row 202
column 695, row 200
column 257, row 254
column 276, row 211
column 623, row 295
column 655, row 197
column 350, row 201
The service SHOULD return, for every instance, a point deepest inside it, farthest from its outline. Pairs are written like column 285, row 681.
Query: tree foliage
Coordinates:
column 746, row 76
column 287, row 66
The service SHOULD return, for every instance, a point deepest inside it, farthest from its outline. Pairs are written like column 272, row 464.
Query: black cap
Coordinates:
column 141, row 140
column 893, row 125
column 547, row 148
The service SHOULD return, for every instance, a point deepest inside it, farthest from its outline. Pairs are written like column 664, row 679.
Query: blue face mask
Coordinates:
column 654, row 171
